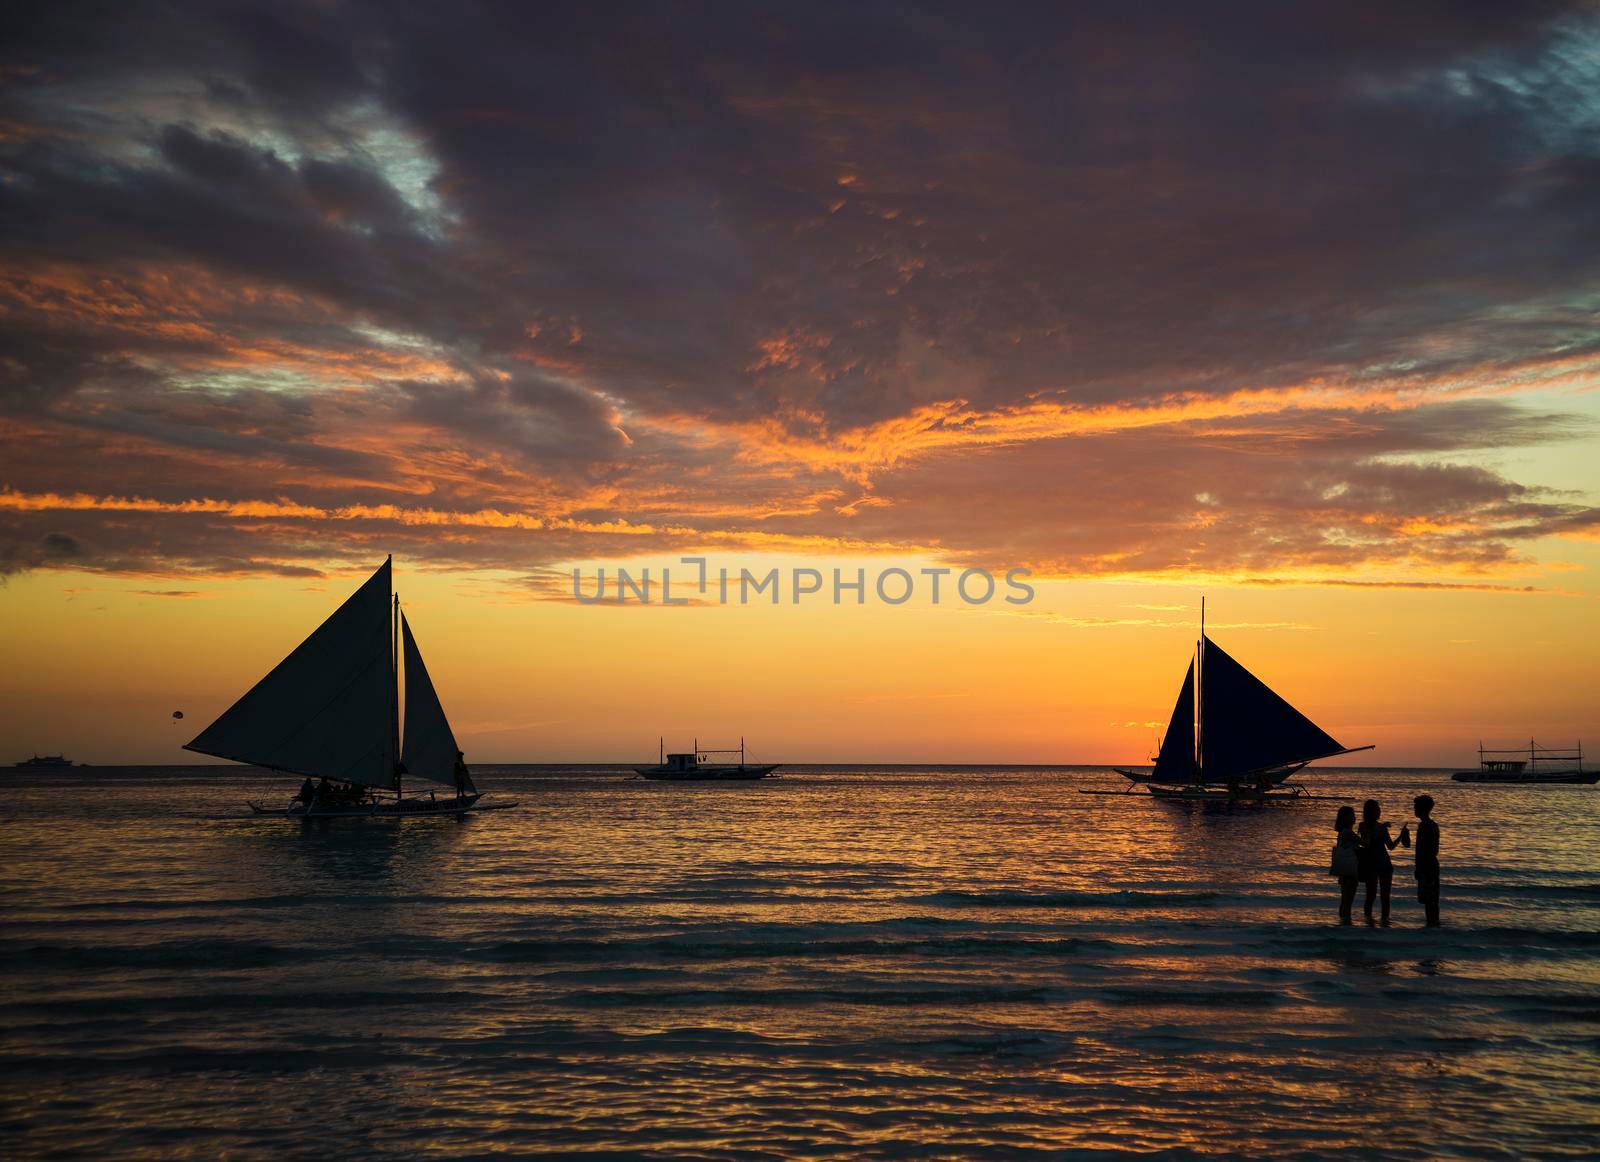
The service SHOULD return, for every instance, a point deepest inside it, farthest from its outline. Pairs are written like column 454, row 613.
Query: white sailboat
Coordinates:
column 330, row 712
column 1231, row 736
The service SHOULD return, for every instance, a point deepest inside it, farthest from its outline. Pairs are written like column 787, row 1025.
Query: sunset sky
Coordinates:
column 1294, row 306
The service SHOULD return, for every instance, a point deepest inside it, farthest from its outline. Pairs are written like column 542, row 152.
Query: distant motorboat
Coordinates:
column 1560, row 765
column 697, row 766
column 330, row 712
column 47, row 762
column 1232, row 736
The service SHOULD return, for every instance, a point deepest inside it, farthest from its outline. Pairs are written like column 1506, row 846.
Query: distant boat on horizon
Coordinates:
column 330, row 712
column 691, row 766
column 1525, row 769
column 1231, row 736
column 48, row 762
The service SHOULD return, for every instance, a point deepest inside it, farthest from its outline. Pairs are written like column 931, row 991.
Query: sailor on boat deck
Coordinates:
column 464, row 785
column 308, row 791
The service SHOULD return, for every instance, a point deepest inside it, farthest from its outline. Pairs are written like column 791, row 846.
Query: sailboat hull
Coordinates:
column 1202, row 794
column 1272, row 777
column 1543, row 778
column 705, row 773
column 388, row 809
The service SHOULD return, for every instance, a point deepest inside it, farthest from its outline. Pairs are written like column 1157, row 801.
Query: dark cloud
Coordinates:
column 49, row 549
column 59, row 545
column 526, row 415
column 1327, row 495
column 657, row 263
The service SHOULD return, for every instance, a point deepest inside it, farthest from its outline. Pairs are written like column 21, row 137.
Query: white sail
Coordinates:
column 429, row 751
column 328, row 708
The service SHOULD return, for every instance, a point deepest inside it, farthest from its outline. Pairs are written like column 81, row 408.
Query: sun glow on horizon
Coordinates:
column 1077, row 676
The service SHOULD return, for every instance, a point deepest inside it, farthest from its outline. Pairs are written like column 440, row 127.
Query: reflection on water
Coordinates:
column 844, row 962
column 329, row 856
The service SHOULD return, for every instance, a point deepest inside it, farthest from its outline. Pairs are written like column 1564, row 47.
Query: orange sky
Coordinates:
column 1302, row 322
column 1086, row 673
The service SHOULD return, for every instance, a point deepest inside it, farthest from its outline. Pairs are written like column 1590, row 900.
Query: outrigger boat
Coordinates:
column 1568, row 766
column 330, row 712
column 693, row 766
column 1231, row 737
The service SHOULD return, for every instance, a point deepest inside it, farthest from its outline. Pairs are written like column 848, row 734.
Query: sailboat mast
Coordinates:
column 1199, row 693
column 394, row 692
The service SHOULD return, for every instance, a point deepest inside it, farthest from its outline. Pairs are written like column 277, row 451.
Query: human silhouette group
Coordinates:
column 1361, row 856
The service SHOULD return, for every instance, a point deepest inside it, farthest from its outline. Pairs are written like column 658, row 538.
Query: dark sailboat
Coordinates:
column 1231, row 735
column 330, row 712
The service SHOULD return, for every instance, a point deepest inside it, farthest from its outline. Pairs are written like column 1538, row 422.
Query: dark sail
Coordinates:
column 328, row 708
column 1245, row 727
column 429, row 750
column 1175, row 763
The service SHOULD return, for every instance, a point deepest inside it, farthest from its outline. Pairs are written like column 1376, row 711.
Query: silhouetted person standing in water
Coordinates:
column 1377, row 869
column 1427, row 859
column 1346, row 860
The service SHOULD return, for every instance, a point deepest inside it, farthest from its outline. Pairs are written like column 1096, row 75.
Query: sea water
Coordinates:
column 855, row 962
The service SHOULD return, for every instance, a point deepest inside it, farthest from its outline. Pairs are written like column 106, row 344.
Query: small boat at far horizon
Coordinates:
column 1231, row 737
column 1567, row 764
column 330, row 712
column 692, row 766
column 48, row 762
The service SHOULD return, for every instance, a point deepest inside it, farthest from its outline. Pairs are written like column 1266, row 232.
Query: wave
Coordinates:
column 695, row 948
column 898, row 995
column 1208, row 996
column 1533, row 937
column 920, row 993
column 131, row 1014
column 1028, row 1044
column 195, row 1059
column 1552, row 1006
column 1545, row 891
column 166, row 954
column 1122, row 898
column 1449, row 941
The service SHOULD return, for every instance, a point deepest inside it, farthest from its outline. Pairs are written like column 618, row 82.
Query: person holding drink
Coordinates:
column 1377, row 869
